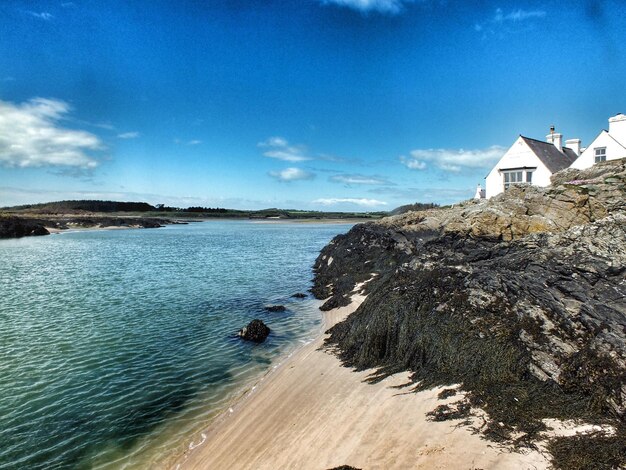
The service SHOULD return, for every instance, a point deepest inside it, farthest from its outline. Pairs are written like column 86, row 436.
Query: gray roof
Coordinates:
column 550, row 155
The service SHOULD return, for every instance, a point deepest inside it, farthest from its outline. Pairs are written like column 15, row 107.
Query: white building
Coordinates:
column 530, row 161
column 609, row 145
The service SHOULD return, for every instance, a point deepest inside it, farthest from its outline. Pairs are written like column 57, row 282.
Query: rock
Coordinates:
column 256, row 331
column 519, row 296
column 275, row 308
column 299, row 295
column 16, row 227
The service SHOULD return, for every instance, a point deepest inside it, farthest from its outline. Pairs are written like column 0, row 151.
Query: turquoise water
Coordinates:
column 117, row 346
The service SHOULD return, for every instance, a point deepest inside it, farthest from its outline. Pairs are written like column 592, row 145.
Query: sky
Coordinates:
column 350, row 105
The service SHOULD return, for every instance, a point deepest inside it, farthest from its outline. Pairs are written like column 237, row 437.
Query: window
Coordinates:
column 600, row 154
column 529, row 177
column 512, row 177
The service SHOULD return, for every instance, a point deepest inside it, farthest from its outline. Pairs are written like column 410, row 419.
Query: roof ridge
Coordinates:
column 618, row 142
column 553, row 158
column 536, row 140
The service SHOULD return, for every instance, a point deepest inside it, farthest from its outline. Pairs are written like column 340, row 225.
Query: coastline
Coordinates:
column 312, row 412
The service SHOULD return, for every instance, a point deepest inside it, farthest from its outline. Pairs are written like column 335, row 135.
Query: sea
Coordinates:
column 118, row 347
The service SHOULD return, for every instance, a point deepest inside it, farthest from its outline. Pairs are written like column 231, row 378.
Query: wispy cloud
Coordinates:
column 364, row 202
column 31, row 136
column 381, row 6
column 44, row 15
column 453, row 160
column 280, row 149
column 517, row 15
column 128, row 135
column 187, row 142
column 501, row 18
column 359, row 180
column 292, row 174
column 413, row 194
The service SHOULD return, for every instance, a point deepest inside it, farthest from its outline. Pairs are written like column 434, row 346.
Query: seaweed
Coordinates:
column 446, row 393
column 423, row 321
column 594, row 451
column 459, row 410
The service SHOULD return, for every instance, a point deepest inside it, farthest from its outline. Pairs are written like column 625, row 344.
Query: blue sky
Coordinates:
column 311, row 104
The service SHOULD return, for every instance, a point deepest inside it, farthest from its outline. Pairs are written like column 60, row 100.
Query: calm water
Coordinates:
column 117, row 347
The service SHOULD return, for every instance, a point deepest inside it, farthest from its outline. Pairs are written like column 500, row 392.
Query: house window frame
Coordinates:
column 508, row 180
column 599, row 154
column 529, row 176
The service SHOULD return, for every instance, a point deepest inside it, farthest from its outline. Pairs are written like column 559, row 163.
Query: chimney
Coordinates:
column 554, row 138
column 617, row 128
column 574, row 144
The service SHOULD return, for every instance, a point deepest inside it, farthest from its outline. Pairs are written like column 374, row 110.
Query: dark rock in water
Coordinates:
column 275, row 308
column 299, row 295
column 256, row 331
column 16, row 227
column 521, row 299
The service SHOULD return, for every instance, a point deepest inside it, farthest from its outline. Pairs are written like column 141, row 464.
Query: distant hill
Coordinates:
column 143, row 209
column 418, row 206
column 71, row 207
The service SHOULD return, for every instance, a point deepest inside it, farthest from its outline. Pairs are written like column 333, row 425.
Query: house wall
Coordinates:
column 613, row 151
column 518, row 156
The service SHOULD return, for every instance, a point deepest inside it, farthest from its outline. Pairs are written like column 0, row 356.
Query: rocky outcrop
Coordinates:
column 15, row 227
column 275, row 308
column 299, row 295
column 256, row 331
column 521, row 299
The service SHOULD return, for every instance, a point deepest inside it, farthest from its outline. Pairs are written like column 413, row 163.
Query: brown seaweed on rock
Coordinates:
column 521, row 299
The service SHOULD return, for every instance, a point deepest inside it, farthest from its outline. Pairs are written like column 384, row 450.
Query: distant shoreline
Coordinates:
column 24, row 225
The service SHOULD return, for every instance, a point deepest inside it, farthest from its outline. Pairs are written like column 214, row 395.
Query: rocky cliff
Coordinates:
column 521, row 299
column 15, row 227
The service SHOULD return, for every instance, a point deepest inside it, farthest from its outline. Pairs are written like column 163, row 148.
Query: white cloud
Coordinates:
column 356, row 201
column 517, row 15
column 453, row 160
column 30, row 136
column 381, row 6
column 292, row 174
column 500, row 19
column 279, row 148
column 188, row 142
column 359, row 179
column 439, row 195
column 128, row 135
column 413, row 164
column 42, row 15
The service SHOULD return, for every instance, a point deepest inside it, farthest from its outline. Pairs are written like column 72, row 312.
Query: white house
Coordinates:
column 609, row 145
column 530, row 161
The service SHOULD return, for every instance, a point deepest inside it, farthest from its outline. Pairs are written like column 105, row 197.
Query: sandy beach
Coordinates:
column 313, row 413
